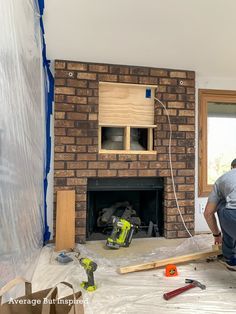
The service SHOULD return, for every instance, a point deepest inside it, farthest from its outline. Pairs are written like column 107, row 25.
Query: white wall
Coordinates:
column 185, row 34
column 206, row 83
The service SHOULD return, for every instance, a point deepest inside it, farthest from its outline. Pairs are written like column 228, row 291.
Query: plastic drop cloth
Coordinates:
column 142, row 292
column 22, row 139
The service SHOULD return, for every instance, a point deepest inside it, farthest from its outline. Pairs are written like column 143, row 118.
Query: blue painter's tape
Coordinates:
column 41, row 6
column 148, row 93
column 49, row 95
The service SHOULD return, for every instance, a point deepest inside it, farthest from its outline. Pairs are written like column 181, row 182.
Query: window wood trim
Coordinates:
column 205, row 96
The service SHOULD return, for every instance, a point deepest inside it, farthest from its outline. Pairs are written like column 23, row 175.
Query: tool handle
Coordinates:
column 176, row 292
column 90, row 278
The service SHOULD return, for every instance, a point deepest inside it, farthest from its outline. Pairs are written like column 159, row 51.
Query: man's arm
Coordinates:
column 209, row 215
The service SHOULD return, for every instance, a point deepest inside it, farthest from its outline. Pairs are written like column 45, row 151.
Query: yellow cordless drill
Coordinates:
column 90, row 268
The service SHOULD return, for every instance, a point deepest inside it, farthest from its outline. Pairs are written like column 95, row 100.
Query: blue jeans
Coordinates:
column 227, row 219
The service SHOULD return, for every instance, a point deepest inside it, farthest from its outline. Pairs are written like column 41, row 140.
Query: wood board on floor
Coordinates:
column 173, row 260
column 65, row 220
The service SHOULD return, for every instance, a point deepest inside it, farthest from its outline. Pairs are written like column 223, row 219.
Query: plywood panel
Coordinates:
column 125, row 104
column 65, row 220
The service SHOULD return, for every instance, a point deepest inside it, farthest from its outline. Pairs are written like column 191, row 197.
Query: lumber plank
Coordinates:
column 99, row 138
column 144, row 126
column 150, row 139
column 134, row 152
column 172, row 260
column 65, row 220
column 127, row 138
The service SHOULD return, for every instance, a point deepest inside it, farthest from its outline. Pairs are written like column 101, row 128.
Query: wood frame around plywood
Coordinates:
column 127, row 149
column 126, row 106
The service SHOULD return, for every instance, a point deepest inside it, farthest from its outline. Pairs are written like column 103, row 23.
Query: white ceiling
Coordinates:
column 181, row 34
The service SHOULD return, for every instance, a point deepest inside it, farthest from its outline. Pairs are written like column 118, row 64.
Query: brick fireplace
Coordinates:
column 77, row 156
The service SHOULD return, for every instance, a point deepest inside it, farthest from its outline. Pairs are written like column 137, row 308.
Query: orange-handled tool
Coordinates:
column 192, row 284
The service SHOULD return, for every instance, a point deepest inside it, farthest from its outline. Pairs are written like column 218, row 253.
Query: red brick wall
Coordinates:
column 76, row 136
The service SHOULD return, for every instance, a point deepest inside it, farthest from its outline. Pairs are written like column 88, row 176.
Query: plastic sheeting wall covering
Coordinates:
column 22, row 138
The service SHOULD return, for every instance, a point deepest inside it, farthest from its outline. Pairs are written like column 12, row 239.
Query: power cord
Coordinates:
column 171, row 167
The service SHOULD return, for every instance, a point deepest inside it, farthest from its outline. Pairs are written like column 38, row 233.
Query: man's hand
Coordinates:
column 218, row 240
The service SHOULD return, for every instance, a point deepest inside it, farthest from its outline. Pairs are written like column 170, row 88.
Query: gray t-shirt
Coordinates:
column 224, row 190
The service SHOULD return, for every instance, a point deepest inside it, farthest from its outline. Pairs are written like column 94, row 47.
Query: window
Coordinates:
column 217, row 132
column 126, row 118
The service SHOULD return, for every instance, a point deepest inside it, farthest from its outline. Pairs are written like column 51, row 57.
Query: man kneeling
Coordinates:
column 222, row 200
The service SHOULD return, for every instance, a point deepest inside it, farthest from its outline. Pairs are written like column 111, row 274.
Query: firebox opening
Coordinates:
column 139, row 201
